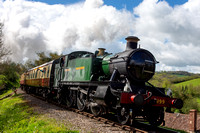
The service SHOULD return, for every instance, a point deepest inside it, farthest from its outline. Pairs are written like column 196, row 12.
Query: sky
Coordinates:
column 169, row 29
column 119, row 4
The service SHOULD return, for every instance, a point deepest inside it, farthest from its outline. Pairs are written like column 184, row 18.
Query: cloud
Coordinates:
column 170, row 33
column 31, row 27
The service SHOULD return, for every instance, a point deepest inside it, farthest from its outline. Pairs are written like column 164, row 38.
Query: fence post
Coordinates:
column 193, row 121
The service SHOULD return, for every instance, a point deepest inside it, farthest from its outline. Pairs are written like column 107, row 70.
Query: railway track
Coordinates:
column 139, row 127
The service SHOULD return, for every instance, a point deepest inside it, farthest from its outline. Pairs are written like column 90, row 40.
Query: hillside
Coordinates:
column 193, row 82
column 167, row 78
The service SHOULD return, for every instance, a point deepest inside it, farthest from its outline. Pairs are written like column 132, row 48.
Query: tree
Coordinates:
column 10, row 74
column 3, row 50
column 29, row 64
column 43, row 58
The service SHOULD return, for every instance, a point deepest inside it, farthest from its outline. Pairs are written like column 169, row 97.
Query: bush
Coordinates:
column 190, row 96
column 3, row 81
column 9, row 75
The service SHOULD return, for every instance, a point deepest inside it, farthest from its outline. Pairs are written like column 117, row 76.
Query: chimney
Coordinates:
column 131, row 42
column 101, row 51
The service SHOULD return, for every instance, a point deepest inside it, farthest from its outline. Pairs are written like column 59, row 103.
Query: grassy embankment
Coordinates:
column 17, row 116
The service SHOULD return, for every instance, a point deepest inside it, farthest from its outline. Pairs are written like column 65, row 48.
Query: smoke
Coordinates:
column 31, row 27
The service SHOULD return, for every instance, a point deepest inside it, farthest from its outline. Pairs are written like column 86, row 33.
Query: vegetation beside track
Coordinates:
column 4, row 93
column 184, row 85
column 17, row 116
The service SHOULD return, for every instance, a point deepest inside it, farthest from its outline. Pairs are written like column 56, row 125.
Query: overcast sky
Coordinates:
column 171, row 31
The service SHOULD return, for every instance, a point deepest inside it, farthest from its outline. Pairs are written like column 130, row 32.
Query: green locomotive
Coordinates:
column 103, row 83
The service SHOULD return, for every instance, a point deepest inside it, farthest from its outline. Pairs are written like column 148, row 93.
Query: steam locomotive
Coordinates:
column 103, row 83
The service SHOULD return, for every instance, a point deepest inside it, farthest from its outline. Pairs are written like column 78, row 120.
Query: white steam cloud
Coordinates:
column 170, row 33
column 31, row 27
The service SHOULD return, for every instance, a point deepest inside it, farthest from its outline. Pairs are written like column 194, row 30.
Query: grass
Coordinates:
column 17, row 116
column 4, row 93
column 178, row 131
column 193, row 82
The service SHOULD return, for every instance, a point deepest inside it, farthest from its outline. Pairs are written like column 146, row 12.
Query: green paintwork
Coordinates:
column 105, row 65
column 82, row 66
column 78, row 68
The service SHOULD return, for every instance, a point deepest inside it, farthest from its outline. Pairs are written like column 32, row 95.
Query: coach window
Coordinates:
column 31, row 74
column 41, row 74
column 47, row 71
column 44, row 71
column 38, row 73
column 35, row 74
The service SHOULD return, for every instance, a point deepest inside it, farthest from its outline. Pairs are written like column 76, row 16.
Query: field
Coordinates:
column 168, row 79
column 193, row 82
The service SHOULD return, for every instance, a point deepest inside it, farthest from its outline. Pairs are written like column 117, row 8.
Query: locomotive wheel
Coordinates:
column 59, row 97
column 96, row 110
column 156, row 116
column 70, row 98
column 37, row 91
column 44, row 94
column 28, row 90
column 81, row 101
column 123, row 115
column 49, row 95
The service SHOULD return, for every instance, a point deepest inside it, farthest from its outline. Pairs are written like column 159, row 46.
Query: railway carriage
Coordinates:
column 103, row 82
column 37, row 78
